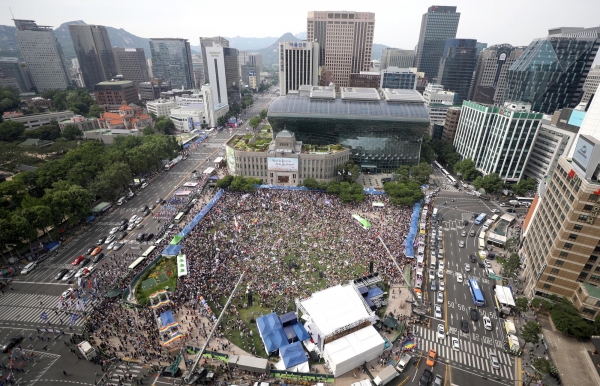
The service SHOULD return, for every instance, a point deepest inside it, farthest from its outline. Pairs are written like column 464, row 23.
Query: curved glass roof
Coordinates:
column 294, row 105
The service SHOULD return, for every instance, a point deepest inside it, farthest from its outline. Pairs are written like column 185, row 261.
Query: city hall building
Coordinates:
column 382, row 129
column 283, row 161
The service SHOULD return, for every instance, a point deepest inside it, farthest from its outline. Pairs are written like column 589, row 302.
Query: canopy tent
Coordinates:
column 504, row 295
column 51, row 246
column 275, row 340
column 351, row 351
column 201, row 215
column 208, row 170
column 172, row 250
column 362, row 221
column 183, row 192
column 166, row 318
column 391, row 322
column 374, row 292
column 288, row 319
column 300, row 331
column 218, row 160
column 268, row 323
column 190, row 184
column 176, row 240
column 378, row 204
column 90, row 218
column 293, row 355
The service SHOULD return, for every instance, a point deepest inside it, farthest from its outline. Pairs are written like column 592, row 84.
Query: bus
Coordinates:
column 476, row 293
column 480, row 219
column 437, row 165
column 148, row 251
column 435, row 213
column 452, row 180
column 137, row 262
column 179, row 217
column 524, row 199
column 481, row 244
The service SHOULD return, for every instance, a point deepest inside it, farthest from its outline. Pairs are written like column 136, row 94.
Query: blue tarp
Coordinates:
column 185, row 146
column 374, row 292
column 201, row 215
column 167, row 318
column 202, row 138
column 213, row 177
column 52, row 246
column 363, row 290
column 268, row 323
column 275, row 340
column 288, row 319
column 414, row 228
column 293, row 355
column 373, row 191
column 300, row 331
column 172, row 250
column 90, row 218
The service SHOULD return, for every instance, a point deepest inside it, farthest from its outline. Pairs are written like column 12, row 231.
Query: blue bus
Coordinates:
column 476, row 293
column 480, row 219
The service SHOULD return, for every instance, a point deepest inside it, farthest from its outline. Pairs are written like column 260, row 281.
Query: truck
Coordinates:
column 173, row 162
column 385, row 375
column 87, row 350
column 403, row 362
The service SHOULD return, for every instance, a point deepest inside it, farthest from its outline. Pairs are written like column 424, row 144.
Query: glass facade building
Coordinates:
column 457, row 66
column 94, row 53
column 551, row 71
column 379, row 133
column 172, row 62
column 398, row 78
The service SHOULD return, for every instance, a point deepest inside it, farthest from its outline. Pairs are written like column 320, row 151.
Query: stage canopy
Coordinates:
column 268, row 323
column 352, row 351
column 172, row 250
column 275, row 340
column 293, row 354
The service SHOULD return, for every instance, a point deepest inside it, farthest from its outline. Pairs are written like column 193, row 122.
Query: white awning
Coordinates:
column 209, row 170
column 504, row 295
column 218, row 160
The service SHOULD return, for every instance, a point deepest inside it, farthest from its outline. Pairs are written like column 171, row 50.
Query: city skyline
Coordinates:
column 532, row 21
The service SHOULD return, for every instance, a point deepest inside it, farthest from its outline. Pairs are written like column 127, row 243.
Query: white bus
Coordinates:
column 481, row 244
column 137, row 262
column 179, row 217
column 148, row 251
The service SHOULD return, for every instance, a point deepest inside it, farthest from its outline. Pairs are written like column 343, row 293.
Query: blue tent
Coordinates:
column 288, row 319
column 51, row 246
column 268, row 323
column 172, row 250
column 167, row 318
column 373, row 292
column 275, row 340
column 301, row 332
column 293, row 354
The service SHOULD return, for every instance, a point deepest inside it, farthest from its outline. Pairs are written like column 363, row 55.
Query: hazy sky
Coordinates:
column 397, row 23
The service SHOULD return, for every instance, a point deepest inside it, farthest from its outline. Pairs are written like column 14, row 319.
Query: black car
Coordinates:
column 89, row 250
column 84, row 262
column 141, row 237
column 101, row 240
column 124, row 222
column 425, row 378
column 122, row 227
column 149, row 236
column 474, row 314
column 464, row 326
column 147, row 212
column 98, row 257
column 491, row 256
column 60, row 274
column 143, row 208
column 121, row 236
column 12, row 342
column 473, row 258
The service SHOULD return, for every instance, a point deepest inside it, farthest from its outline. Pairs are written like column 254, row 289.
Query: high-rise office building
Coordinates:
column 298, row 65
column 198, row 69
column 345, row 41
column 12, row 68
column 457, row 66
column 490, row 76
column 43, row 55
column 497, row 139
column 560, row 250
column 438, row 101
column 398, row 78
column 131, row 63
column 94, row 53
column 451, row 123
column 172, row 61
column 437, row 25
column 225, row 81
column 394, row 57
column 250, row 68
column 592, row 81
column 551, row 71
column 590, row 122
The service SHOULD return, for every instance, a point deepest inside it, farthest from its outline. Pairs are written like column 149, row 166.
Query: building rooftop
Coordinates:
column 592, row 290
column 359, row 94
column 115, row 82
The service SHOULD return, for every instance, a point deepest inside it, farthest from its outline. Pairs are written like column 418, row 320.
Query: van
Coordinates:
column 28, row 268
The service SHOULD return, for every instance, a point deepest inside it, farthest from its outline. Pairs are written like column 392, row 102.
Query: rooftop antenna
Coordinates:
column 11, row 14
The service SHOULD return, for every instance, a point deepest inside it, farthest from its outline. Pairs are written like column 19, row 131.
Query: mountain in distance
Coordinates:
column 270, row 54
column 8, row 42
column 301, row 35
column 377, row 50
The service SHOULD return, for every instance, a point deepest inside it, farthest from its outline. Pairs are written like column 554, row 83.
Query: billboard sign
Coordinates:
column 282, row 164
column 576, row 118
column 230, row 155
column 582, row 153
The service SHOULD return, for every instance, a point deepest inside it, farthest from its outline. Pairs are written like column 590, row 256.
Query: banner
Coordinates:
column 363, row 221
column 181, row 266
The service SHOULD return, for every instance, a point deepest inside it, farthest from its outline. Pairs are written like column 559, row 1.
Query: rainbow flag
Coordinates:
column 409, row 344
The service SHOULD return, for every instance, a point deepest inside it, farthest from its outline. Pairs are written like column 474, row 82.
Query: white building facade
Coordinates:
column 438, row 102
column 215, row 75
column 161, row 107
column 591, row 121
column 298, row 65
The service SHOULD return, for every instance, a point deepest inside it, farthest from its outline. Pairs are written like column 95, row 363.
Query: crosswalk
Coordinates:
column 450, row 188
column 26, row 308
column 120, row 371
column 474, row 355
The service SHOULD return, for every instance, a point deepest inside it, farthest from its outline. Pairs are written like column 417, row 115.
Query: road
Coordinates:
column 33, row 294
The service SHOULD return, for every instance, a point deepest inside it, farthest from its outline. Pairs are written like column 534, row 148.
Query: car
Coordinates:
column 60, row 274
column 440, row 274
column 12, row 342
column 461, row 244
column 109, row 239
column 101, row 241
column 98, row 257
column 495, row 211
column 502, row 204
column 440, row 297
column 77, row 260
column 143, row 208
column 431, row 274
column 111, row 245
column 425, row 378
column 147, row 212
column 158, row 200
column 141, row 237
column 152, row 207
column 433, row 286
column 442, row 286
column 487, row 264
column 67, row 293
column 28, row 268
column 144, row 185
column 68, row 275
column 131, row 226
column 487, row 323
column 467, row 267
column 455, row 344
column 464, row 326
column 473, row 259
column 88, row 271
column 439, row 237
column 113, row 230
column 494, row 360
column 431, row 356
column 123, row 221
column 84, row 262
column 122, row 227
column 474, row 314
column 90, row 249
column 463, row 233
column 441, row 334
column 440, row 265
column 117, row 246
column 133, row 218
column 80, row 272
column 96, row 250
column 121, row 236
column 438, row 311
column 130, row 195
column 472, row 233
column 438, row 380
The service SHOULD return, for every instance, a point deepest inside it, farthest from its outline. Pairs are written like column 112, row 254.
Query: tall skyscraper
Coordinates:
column 345, row 41
column 250, row 68
column 198, row 69
column 490, row 76
column 12, row 68
column 94, row 52
column 394, row 57
column 43, row 55
column 592, row 81
column 298, row 65
column 551, row 71
column 457, row 66
column 131, row 63
column 225, row 80
column 437, row 25
column 172, row 61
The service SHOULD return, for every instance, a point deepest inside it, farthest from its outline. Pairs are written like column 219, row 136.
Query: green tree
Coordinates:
column 420, row 173
column 597, row 325
column 522, row 304
column 403, row 173
column 148, row 130
column 466, row 168
column 511, row 265
column 71, row 132
column 225, row 182
column 403, row 193
column 567, row 319
column 46, row 133
column 542, row 365
column 263, row 114
column 349, row 172
column 530, row 332
column 95, row 111
column 492, row 183
column 334, row 187
column 11, row 130
column 511, row 245
column 427, row 151
column 311, row 183
column 164, row 125
column 254, row 123
column 523, row 186
column 40, row 217
column 351, row 192
column 242, row 184
column 9, row 99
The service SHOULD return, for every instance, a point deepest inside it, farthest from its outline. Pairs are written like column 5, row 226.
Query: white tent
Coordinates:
column 208, row 170
column 352, row 351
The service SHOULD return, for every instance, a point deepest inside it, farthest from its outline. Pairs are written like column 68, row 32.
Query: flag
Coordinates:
column 44, row 317
column 73, row 319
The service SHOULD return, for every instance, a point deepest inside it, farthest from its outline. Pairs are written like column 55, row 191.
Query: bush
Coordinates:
column 225, row 182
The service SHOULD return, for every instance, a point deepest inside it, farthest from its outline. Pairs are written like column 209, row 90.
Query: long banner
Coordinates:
column 181, row 266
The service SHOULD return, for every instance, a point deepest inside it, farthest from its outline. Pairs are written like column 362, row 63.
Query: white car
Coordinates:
column 467, row 267
column 109, row 239
column 494, row 360
column 88, row 271
column 139, row 220
column 463, row 233
column 487, row 264
column 144, row 185
column 438, row 311
column 440, row 265
column 455, row 344
column 487, row 323
column 461, row 244
column 111, row 245
column 117, row 246
column 131, row 226
column 440, row 274
column 459, row 277
column 132, row 219
column 440, row 297
column 80, row 272
column 442, row 286
column 441, row 334
column 431, row 274
column 67, row 293
column 114, row 230
column 495, row 211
